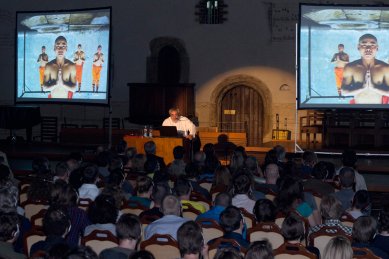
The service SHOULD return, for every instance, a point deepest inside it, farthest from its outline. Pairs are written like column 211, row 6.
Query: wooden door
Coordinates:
column 242, row 111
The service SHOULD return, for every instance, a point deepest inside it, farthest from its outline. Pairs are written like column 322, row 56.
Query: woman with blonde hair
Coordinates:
column 338, row 247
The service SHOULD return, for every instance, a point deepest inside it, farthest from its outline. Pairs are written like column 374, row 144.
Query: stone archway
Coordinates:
column 156, row 45
column 237, row 80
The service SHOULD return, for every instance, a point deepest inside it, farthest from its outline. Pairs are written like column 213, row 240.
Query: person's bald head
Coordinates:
column 272, row 173
column 171, row 205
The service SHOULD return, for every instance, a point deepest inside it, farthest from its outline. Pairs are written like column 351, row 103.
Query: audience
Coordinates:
column 61, row 172
column 128, row 230
column 191, row 241
column 170, row 222
column 88, row 189
column 317, row 183
column 265, row 211
column 9, row 232
column 241, row 190
column 177, row 167
column 222, row 201
column 183, row 190
column 381, row 240
column 346, row 193
column 309, row 161
column 150, row 150
column 142, row 255
column 222, row 177
column 361, row 204
column 338, row 247
column 260, row 250
column 349, row 159
column 82, row 252
column 144, row 188
column 271, row 174
column 160, row 190
column 227, row 253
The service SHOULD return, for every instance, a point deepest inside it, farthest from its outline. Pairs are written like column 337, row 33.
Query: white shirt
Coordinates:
column 183, row 124
column 88, row 191
column 168, row 224
column 243, row 201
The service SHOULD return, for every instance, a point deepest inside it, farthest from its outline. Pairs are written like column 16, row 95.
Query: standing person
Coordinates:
column 341, row 59
column 43, row 58
column 367, row 78
column 183, row 124
column 60, row 73
column 98, row 60
column 79, row 60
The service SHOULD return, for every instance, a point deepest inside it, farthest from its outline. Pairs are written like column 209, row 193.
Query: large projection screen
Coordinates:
column 343, row 55
column 63, row 56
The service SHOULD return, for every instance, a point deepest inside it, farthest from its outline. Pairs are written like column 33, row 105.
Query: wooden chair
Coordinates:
column 269, row 231
column 99, row 240
column 211, row 229
column 321, row 238
column 83, row 203
column 197, row 197
column 347, row 219
column 206, row 185
column 190, row 212
column 32, row 208
column 23, row 194
column 218, row 243
column 363, row 253
column 37, row 219
column 288, row 251
column 30, row 238
column 161, row 246
column 248, row 218
column 133, row 207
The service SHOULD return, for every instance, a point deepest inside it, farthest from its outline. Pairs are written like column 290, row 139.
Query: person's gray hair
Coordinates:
column 8, row 197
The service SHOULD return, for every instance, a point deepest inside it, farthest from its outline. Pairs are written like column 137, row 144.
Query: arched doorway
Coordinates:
column 242, row 111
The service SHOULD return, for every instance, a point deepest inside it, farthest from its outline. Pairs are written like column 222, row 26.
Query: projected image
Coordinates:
column 63, row 56
column 344, row 55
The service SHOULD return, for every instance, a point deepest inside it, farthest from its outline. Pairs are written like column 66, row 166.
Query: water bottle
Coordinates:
column 150, row 131
column 145, row 131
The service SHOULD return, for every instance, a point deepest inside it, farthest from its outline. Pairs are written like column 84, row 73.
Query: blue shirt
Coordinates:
column 213, row 213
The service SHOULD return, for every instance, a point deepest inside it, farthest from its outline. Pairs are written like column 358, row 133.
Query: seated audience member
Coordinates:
column 82, row 252
column 9, row 232
column 331, row 211
column 271, row 175
column 115, row 163
column 222, row 201
column 338, row 247
column 346, row 193
column 309, row 161
column 138, row 164
column 143, row 254
column 150, row 150
column 241, row 190
column 39, row 189
column 170, row 222
column 128, row 230
column 191, row 241
column 222, row 177
column 293, row 231
column 183, row 189
column 144, row 187
column 130, row 154
column 317, row 183
column 160, row 190
column 192, row 171
column 265, row 211
column 61, row 172
column 231, row 221
column 211, row 162
column 291, row 197
column 103, row 160
column 364, row 230
column 64, row 196
column 177, row 167
column 227, row 253
column 88, row 189
column 361, row 205
column 253, row 168
column 236, row 162
column 121, row 149
column 381, row 240
column 260, row 250
column 349, row 159
column 56, row 225
column 103, row 213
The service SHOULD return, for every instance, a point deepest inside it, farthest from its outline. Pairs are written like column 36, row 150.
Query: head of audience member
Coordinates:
column 57, row 251
column 171, row 205
column 142, row 254
column 260, row 250
column 292, row 228
column 90, row 175
column 63, row 195
column 242, row 150
column 56, row 222
column 160, row 190
column 242, row 184
column 183, row 188
column 5, row 174
column 117, row 194
column 280, row 153
column 152, row 165
column 338, row 247
column 150, row 148
column 130, row 154
column 265, row 211
column 251, row 164
column 103, row 159
column 361, row 201
column 9, row 195
column 228, row 253
column 272, row 173
column 39, row 189
column 236, row 161
column 231, row 220
column 223, row 199
column 209, row 149
column 103, row 210
column 178, row 152
column 309, row 158
column 76, row 156
column 144, row 186
column 199, row 158
column 384, row 220
column 61, row 172
column 82, row 252
column 116, row 177
column 192, row 170
column 115, row 163
column 222, row 176
column 128, row 231
column 271, row 157
column 190, row 240
column 121, row 147
column 320, row 171
column 364, row 229
column 330, row 207
column 41, row 166
column 138, row 163
column 290, row 193
column 349, row 158
column 9, row 227
column 347, row 177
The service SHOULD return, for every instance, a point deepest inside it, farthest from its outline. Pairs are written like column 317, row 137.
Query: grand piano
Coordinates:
column 19, row 117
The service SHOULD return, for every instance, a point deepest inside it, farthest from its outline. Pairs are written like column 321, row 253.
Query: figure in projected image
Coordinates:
column 79, row 59
column 42, row 60
column 341, row 59
column 60, row 73
column 98, row 60
column 367, row 78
